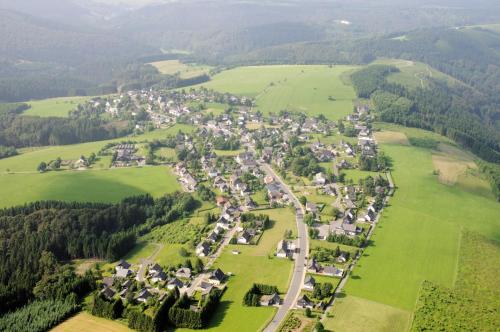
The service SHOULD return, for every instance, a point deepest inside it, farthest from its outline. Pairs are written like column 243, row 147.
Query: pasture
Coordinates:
column 86, row 322
column 418, row 237
column 254, row 264
column 311, row 89
column 173, row 67
column 58, row 107
column 94, row 185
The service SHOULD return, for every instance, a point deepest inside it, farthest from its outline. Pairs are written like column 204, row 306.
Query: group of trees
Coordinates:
column 107, row 309
column 356, row 241
column 230, row 143
column 39, row 315
column 182, row 316
column 253, row 295
column 322, row 290
column 378, row 163
column 205, row 193
column 69, row 231
column 328, row 255
column 7, row 151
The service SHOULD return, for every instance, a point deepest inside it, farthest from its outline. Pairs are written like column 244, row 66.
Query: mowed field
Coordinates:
column 21, row 183
column 418, row 237
column 59, row 107
column 311, row 89
column 255, row 264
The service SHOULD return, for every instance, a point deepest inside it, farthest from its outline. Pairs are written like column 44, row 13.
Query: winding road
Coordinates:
column 300, row 261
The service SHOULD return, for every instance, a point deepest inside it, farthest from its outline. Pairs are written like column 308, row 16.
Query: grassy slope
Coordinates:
column 301, row 88
column 29, row 159
column 419, row 234
column 252, row 265
column 59, row 107
column 98, row 186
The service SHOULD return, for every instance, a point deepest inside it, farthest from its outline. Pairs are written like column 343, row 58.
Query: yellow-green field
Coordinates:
column 355, row 314
column 172, row 67
column 85, row 322
column 298, row 88
column 59, row 107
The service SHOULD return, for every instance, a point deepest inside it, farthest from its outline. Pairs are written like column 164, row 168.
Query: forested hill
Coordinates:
column 451, row 110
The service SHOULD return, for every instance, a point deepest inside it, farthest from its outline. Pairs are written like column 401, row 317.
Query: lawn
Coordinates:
column 252, row 265
column 355, row 174
column 59, row 107
column 172, row 67
column 356, row 314
column 86, row 322
column 93, row 185
column 301, row 88
column 419, row 233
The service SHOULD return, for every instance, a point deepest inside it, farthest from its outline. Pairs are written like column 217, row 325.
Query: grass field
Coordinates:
column 59, row 107
column 300, row 88
column 85, row 322
column 355, row 314
column 172, row 67
column 95, row 185
column 418, row 237
column 252, row 265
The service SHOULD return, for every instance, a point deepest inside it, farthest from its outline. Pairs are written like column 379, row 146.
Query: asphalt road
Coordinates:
column 300, row 261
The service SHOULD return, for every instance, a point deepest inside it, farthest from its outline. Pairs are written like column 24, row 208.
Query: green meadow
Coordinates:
column 20, row 182
column 255, row 264
column 92, row 185
column 311, row 89
column 418, row 237
column 59, row 107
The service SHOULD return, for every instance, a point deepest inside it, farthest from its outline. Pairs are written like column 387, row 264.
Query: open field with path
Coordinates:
column 311, row 89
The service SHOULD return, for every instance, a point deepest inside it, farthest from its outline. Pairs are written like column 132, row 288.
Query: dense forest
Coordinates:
column 66, row 231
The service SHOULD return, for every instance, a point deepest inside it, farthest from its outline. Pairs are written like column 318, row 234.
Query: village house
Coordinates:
column 244, row 238
column 143, row 296
column 173, row 283
column 183, row 272
column 108, row 293
column 203, row 249
column 319, row 179
column 309, row 283
column 332, row 271
column 216, row 277
column 285, row 249
column 269, row 300
column 304, row 302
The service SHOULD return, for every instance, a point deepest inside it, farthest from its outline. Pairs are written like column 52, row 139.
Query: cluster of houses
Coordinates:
column 187, row 180
column 125, row 156
column 123, row 283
